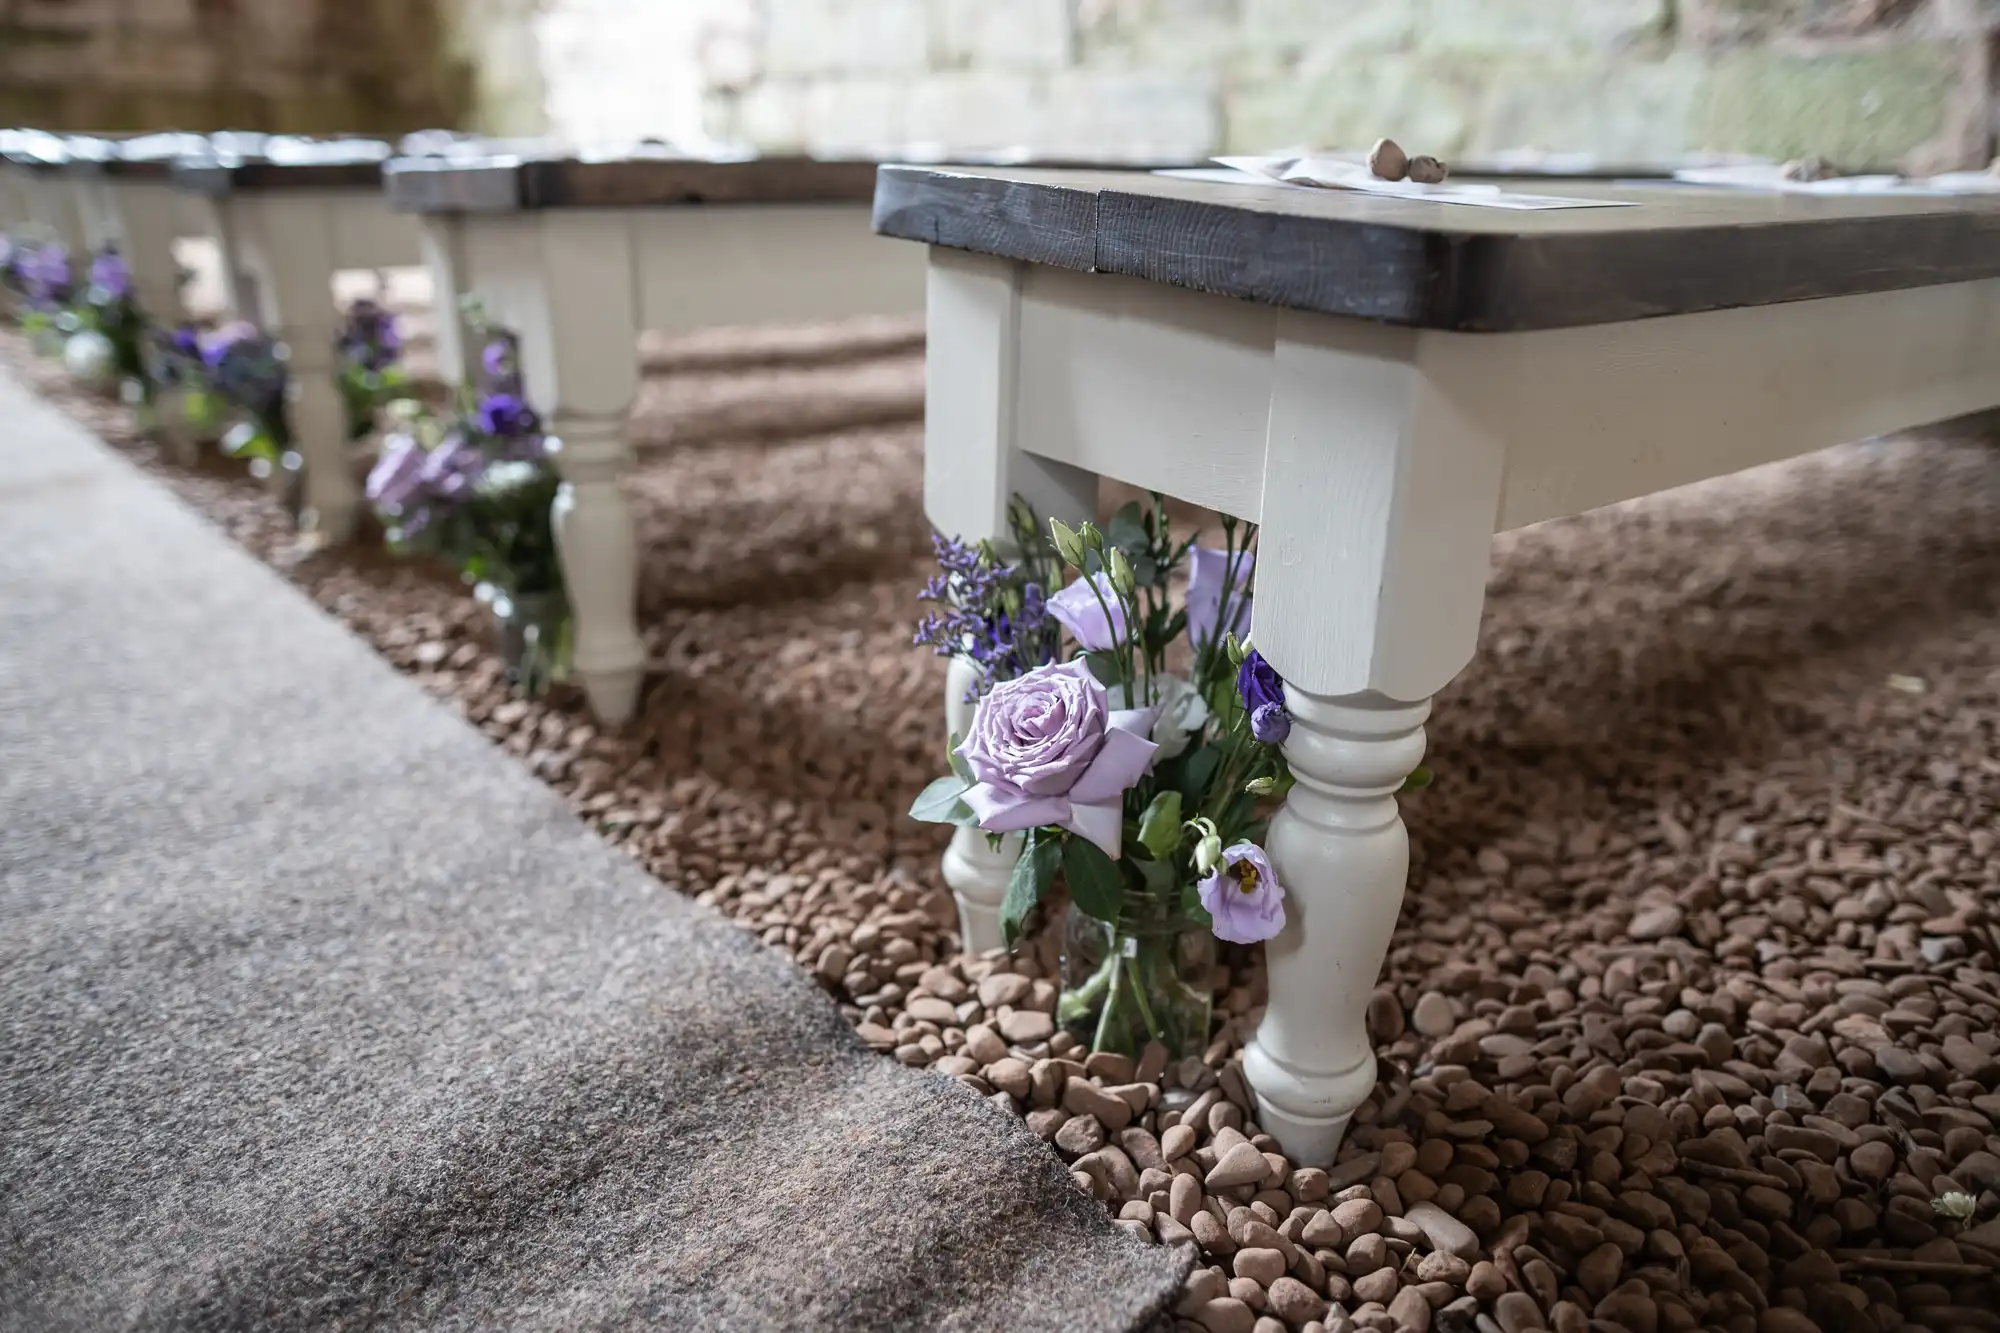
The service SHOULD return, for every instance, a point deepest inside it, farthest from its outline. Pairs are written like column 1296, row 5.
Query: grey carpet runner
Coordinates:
column 316, row 1012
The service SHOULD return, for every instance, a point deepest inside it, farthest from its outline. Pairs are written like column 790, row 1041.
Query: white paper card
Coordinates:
column 1772, row 179
column 1332, row 173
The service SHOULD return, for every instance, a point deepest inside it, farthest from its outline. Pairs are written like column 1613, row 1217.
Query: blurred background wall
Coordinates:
column 1869, row 83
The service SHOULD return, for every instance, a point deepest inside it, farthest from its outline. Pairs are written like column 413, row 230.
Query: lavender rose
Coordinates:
column 398, row 476
column 1243, row 897
column 1078, row 610
column 1264, row 695
column 1047, row 748
column 1208, row 575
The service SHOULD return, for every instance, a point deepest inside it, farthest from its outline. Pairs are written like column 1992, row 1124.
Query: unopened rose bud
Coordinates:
column 1208, row 854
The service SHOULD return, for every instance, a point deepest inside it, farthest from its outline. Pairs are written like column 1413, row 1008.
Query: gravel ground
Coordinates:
column 1691, row 1014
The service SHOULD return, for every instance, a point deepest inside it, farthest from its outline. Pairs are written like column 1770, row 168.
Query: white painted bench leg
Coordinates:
column 1340, row 849
column 973, row 469
column 1377, row 511
column 565, row 281
column 147, row 217
column 442, row 244
column 600, row 556
column 976, row 873
column 290, row 250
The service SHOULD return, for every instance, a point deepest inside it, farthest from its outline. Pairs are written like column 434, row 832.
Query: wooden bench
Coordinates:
column 1383, row 384
column 578, row 255
column 287, row 215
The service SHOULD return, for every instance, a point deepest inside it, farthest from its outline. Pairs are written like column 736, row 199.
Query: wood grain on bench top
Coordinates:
column 509, row 185
column 1683, row 249
column 506, row 183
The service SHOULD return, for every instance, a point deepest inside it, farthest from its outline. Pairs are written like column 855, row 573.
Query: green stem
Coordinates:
column 1138, row 991
column 1100, row 1040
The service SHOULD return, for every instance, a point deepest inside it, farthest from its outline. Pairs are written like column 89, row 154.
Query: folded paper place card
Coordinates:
column 1333, row 173
column 1772, row 178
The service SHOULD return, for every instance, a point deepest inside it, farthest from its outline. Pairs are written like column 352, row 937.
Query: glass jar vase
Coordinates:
column 531, row 632
column 1143, row 978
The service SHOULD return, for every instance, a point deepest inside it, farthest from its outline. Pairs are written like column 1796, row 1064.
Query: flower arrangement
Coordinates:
column 478, row 492
column 1144, row 789
column 247, row 371
column 109, row 310
column 42, row 274
column 370, row 374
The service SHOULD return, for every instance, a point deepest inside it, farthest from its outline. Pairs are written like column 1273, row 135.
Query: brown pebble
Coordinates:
column 1387, row 160
column 1427, row 170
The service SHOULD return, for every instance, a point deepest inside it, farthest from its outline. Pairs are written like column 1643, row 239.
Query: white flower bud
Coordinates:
column 1121, row 573
column 1263, row 786
column 1208, row 855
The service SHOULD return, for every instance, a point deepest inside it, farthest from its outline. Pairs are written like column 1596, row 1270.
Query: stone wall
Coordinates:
column 295, row 65
column 1868, row 83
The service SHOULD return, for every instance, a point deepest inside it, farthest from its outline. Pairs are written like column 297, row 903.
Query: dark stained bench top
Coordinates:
column 256, row 162
column 1431, row 265
column 458, row 179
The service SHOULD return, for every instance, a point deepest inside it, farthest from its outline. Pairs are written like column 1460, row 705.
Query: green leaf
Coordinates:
column 1196, row 774
column 1160, row 826
column 1107, row 666
column 1419, row 779
column 936, row 803
column 1033, row 874
column 1158, row 875
column 957, row 761
column 1095, row 885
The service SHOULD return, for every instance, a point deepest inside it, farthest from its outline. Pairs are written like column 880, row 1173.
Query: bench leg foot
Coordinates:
column 1340, row 850
column 976, row 874
column 600, row 563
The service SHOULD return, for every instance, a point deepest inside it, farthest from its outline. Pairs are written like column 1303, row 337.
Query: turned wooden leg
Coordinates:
column 1378, row 508
column 1340, row 849
column 564, row 281
column 600, row 557
column 442, row 244
column 973, row 469
column 289, row 248
column 975, row 871
column 146, row 220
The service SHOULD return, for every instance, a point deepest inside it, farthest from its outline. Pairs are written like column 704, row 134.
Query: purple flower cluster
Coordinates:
column 369, row 337
column 110, row 277
column 987, row 614
column 1263, row 694
column 247, row 368
column 45, row 276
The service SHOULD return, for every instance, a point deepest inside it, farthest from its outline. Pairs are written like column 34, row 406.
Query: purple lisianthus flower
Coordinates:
column 1208, row 575
column 45, row 275
column 504, row 416
column 451, row 469
column 185, row 341
column 1264, row 695
column 398, row 475
column 1078, row 610
column 1245, row 902
column 369, row 337
column 1047, row 748
column 110, row 276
